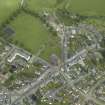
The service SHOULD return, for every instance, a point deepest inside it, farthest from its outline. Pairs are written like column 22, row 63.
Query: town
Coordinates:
column 74, row 76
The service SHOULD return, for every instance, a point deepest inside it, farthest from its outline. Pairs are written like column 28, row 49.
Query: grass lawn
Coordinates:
column 87, row 7
column 7, row 7
column 31, row 34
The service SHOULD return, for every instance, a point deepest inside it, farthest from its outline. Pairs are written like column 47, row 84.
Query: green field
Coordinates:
column 41, row 5
column 31, row 34
column 7, row 7
column 87, row 7
column 53, row 47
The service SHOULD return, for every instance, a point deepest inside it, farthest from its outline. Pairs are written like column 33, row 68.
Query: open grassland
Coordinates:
column 87, row 7
column 31, row 34
column 41, row 5
column 52, row 47
column 7, row 7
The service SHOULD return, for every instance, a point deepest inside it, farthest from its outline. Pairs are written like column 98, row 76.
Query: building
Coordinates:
column 20, row 53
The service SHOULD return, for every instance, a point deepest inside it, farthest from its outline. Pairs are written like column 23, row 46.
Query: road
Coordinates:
column 73, row 60
column 35, row 85
column 80, row 55
column 90, row 95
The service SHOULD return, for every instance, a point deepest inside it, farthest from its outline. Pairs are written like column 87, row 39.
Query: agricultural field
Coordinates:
column 41, row 5
column 7, row 7
column 87, row 7
column 68, row 8
column 38, row 5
